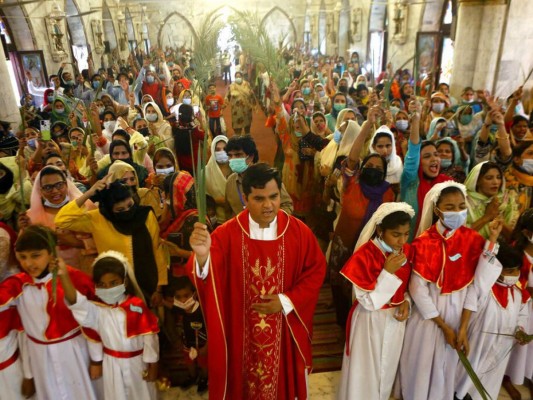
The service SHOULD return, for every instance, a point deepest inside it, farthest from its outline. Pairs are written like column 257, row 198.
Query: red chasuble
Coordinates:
column 255, row 356
column 449, row 263
column 61, row 320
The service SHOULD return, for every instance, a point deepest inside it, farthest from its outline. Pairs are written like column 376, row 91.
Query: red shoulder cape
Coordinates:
column 9, row 320
column 221, row 296
column 501, row 294
column 450, row 263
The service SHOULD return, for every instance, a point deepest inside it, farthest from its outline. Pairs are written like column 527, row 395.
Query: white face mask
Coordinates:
column 187, row 100
column 509, row 280
column 191, row 304
column 51, row 205
column 221, row 157
column 164, row 171
column 527, row 165
column 402, row 124
column 454, row 219
column 438, row 107
column 110, row 125
column 151, row 117
column 170, row 102
column 111, row 295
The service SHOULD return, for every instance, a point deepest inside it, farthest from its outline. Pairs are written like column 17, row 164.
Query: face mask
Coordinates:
column 454, row 219
column 351, row 69
column 221, row 157
column 126, row 216
column 50, row 98
column 101, row 110
column 151, row 117
column 96, row 84
column 60, row 110
column 170, row 102
column 306, row 91
column 394, row 110
column 402, row 125
column 238, row 81
column 190, row 304
column 438, row 107
column 465, row 119
column 298, row 134
column 445, row 162
column 384, row 246
column 144, row 131
column 343, row 89
column 111, row 295
column 164, row 171
column 315, row 65
column 51, row 205
column 527, row 165
column 337, row 136
column 110, row 125
column 469, row 101
column 32, row 143
column 187, row 100
column 238, row 165
column 150, row 79
column 339, row 106
column 321, row 93
column 509, row 280
column 71, row 83
column 162, row 78
column 371, row 176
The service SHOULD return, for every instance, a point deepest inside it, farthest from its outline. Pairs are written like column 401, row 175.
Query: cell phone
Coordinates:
column 196, row 109
column 45, row 130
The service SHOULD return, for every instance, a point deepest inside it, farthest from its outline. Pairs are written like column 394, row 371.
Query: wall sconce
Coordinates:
column 98, row 36
column 357, row 25
column 56, row 28
column 399, row 19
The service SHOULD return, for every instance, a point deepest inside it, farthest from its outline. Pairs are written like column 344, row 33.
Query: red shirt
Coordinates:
column 215, row 104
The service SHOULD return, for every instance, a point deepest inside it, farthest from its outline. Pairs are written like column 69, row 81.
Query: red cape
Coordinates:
column 451, row 262
column 252, row 349
column 501, row 294
column 9, row 320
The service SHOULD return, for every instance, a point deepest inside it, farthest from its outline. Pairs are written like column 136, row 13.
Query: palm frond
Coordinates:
column 473, row 376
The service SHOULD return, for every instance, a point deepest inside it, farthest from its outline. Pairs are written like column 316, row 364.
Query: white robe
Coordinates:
column 10, row 377
column 60, row 370
column 520, row 364
column 122, row 377
column 375, row 340
column 428, row 364
column 489, row 354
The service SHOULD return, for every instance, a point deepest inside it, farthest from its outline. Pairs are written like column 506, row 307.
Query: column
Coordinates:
column 9, row 110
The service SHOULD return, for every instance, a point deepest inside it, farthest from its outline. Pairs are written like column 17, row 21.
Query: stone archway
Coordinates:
column 280, row 26
column 175, row 37
column 110, row 35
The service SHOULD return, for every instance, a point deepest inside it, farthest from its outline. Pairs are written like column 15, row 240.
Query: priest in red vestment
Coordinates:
column 258, row 277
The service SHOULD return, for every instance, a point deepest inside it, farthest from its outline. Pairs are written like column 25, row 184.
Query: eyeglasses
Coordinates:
column 58, row 186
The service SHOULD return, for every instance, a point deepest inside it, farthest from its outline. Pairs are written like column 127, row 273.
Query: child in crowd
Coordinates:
column 379, row 271
column 57, row 352
column 214, row 105
column 127, row 327
column 501, row 311
column 444, row 257
column 194, row 331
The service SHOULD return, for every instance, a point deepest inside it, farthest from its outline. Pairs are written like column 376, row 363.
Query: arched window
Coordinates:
column 322, row 29
column 447, row 48
column 377, row 38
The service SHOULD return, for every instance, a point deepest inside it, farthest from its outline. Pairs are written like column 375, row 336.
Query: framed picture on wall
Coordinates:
column 31, row 66
column 427, row 55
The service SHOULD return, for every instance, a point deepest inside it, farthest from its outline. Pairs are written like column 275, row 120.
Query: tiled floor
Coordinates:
column 323, row 386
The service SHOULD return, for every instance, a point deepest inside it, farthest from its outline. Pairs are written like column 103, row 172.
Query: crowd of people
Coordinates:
column 414, row 206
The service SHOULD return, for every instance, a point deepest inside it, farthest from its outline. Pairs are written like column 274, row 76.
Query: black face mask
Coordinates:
column 7, row 181
column 371, row 176
column 343, row 89
column 125, row 216
column 144, row 131
column 176, row 77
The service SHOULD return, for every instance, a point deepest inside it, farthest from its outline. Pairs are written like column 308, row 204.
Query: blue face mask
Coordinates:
column 298, row 134
column 466, row 119
column 384, row 246
column 50, row 98
column 150, row 79
column 337, row 136
column 96, row 84
column 306, row 91
column 238, row 165
column 339, row 106
column 445, row 162
column 454, row 219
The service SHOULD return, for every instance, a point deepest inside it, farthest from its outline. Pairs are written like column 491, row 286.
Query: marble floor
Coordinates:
column 323, row 386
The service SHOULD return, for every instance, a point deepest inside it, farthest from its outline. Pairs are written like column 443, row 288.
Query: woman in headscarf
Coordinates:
column 120, row 110
column 126, row 174
column 366, row 187
column 157, row 125
column 339, row 101
column 435, row 109
column 241, row 99
column 319, row 126
column 121, row 224
column 299, row 170
column 454, row 160
column 12, row 200
column 519, row 179
column 51, row 191
column 487, row 198
column 468, row 123
column 165, row 163
column 60, row 111
column 384, row 144
column 186, row 131
column 121, row 150
column 216, row 173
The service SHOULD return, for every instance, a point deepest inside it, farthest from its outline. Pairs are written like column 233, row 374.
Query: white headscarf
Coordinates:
column 333, row 150
column 394, row 164
column 214, row 178
column 430, row 201
column 377, row 218
column 127, row 266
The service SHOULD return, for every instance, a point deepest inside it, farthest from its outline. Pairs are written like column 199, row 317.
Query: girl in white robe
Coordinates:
column 126, row 326
column 444, row 258
column 379, row 272
column 502, row 308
